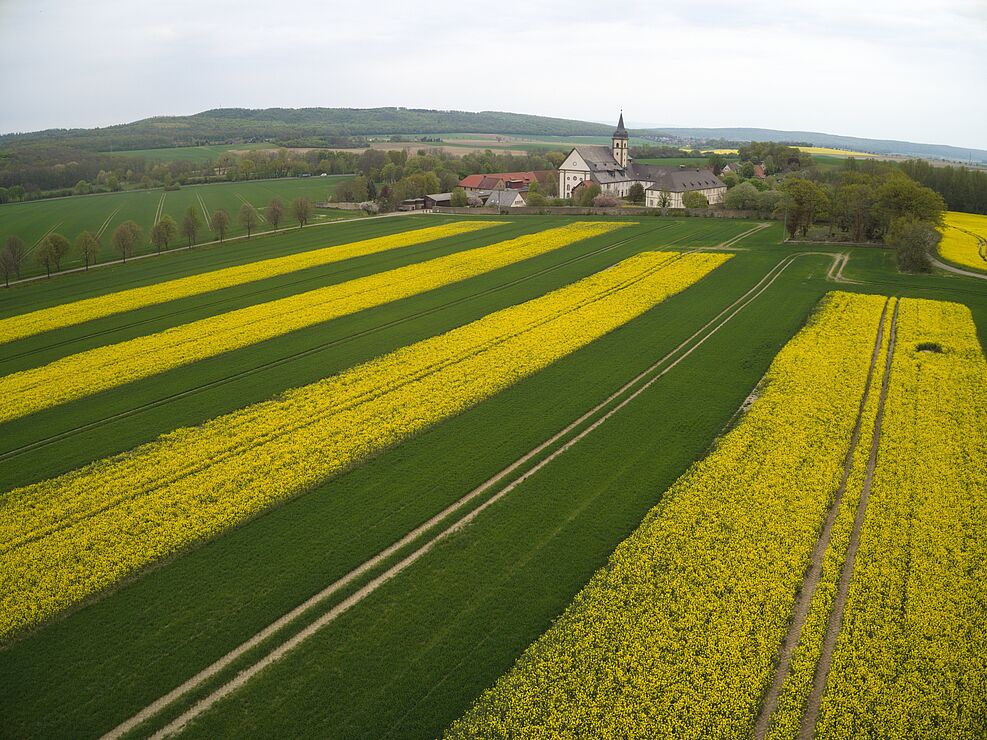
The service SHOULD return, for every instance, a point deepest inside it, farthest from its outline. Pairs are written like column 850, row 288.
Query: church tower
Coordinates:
column 620, row 152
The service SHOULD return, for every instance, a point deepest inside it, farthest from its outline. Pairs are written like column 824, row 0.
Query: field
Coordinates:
column 410, row 476
column 102, row 213
column 204, row 153
column 964, row 240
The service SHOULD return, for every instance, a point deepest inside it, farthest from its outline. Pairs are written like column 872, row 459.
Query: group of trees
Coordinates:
column 888, row 206
column 128, row 237
column 962, row 188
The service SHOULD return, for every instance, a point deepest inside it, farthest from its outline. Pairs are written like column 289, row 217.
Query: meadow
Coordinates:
column 388, row 581
column 102, row 213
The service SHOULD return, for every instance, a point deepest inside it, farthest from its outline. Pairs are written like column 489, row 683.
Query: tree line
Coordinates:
column 962, row 188
column 128, row 237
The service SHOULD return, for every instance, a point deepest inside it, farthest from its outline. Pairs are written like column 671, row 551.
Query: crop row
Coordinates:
column 66, row 538
column 88, row 309
column 911, row 659
column 86, row 373
column 677, row 635
column 964, row 239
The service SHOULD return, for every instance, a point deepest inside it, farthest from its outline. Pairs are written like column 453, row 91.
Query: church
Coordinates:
column 614, row 171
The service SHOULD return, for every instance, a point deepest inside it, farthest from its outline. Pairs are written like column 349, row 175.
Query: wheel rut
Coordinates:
column 813, row 575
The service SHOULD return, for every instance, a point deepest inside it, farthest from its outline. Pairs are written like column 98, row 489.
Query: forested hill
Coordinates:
column 815, row 138
column 293, row 124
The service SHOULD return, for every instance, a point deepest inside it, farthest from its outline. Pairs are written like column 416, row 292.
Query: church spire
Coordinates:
column 621, row 131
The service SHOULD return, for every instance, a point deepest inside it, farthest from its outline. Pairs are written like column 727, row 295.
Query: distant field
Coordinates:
column 102, row 213
column 829, row 152
column 190, row 153
column 699, row 162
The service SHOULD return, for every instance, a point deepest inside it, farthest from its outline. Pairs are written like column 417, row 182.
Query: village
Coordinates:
column 607, row 174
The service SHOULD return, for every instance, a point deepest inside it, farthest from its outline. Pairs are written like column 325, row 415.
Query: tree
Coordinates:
column 459, row 199
column 7, row 266
column 803, row 201
column 695, row 199
column 301, row 208
column 219, row 222
column 853, row 206
column 57, row 247
column 273, row 213
column 87, row 244
column 664, row 199
column 912, row 239
column 605, row 200
column 163, row 232
column 587, row 193
column 126, row 237
column 636, row 193
column 45, row 256
column 744, row 197
column 716, row 163
column 899, row 195
column 190, row 225
column 248, row 217
column 16, row 249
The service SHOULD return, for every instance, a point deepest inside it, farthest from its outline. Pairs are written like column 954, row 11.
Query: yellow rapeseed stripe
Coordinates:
column 107, row 367
column 911, row 659
column 77, row 312
column 64, row 539
column 964, row 239
column 677, row 635
column 826, row 151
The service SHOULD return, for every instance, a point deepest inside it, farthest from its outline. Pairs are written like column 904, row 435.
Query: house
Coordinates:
column 667, row 190
column 411, row 204
column 612, row 168
column 505, row 180
column 506, row 199
column 476, row 183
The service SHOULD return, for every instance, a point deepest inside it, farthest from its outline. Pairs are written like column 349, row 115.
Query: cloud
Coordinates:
column 884, row 68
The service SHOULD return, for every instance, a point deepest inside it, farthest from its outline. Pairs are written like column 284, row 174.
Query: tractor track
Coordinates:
column 420, row 538
column 807, row 730
column 813, row 574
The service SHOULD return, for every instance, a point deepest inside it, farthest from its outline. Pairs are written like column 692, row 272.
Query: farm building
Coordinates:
column 504, row 180
column 612, row 168
column 506, row 199
column 677, row 182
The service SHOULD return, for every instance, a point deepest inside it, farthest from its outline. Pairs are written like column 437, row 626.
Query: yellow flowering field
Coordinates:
column 964, row 239
column 787, row 717
column 676, row 636
column 106, row 367
column 77, row 312
column 911, row 659
column 64, row 539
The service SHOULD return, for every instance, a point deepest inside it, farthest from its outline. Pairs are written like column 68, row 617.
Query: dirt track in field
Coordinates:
column 813, row 575
column 811, row 716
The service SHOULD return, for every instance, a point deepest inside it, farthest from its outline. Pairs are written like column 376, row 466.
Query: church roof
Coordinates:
column 621, row 131
column 681, row 180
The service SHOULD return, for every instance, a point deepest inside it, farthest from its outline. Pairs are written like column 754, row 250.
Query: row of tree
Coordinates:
column 128, row 236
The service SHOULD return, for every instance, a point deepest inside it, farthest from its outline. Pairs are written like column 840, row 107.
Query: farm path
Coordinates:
column 566, row 439
column 813, row 575
column 835, row 622
column 958, row 270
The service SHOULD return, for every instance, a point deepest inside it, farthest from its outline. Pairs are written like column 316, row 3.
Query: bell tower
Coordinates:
column 620, row 152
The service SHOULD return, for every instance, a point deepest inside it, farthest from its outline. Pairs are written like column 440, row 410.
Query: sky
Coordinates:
column 914, row 70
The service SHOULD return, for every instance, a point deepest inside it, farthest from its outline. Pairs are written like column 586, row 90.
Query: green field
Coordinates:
column 102, row 213
column 695, row 162
column 411, row 657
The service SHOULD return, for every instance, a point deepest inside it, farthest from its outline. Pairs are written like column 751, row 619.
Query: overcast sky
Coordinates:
column 900, row 69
